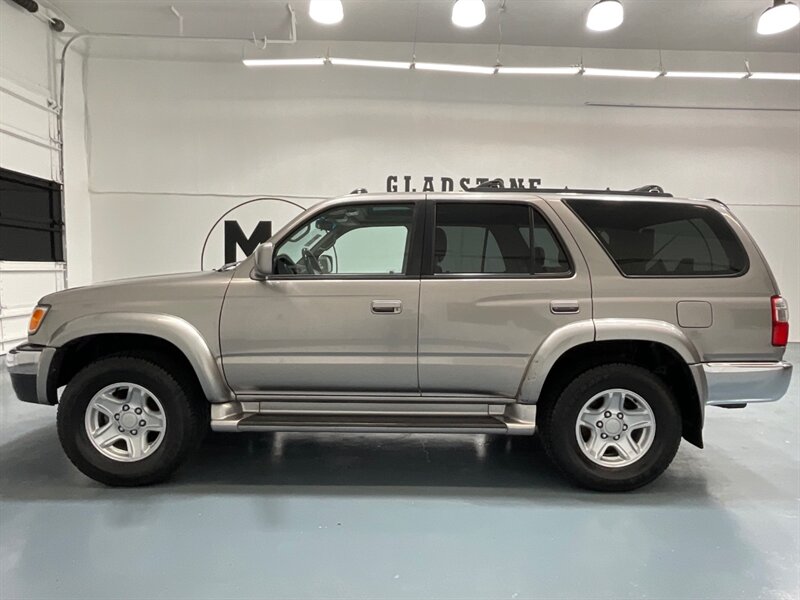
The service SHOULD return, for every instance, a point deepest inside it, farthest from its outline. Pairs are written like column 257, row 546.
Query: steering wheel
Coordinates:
column 311, row 262
column 285, row 265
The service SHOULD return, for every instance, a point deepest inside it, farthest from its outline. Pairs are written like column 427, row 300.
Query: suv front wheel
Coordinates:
column 124, row 420
column 614, row 428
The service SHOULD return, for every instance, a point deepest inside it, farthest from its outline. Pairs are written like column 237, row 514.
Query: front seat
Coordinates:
column 440, row 249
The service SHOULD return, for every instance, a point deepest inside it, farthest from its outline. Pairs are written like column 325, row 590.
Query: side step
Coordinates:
column 510, row 419
column 374, row 424
column 371, row 423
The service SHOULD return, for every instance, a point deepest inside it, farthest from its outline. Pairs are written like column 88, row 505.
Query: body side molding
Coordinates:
column 175, row 330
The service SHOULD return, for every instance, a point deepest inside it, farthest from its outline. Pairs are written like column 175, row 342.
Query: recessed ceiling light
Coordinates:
column 326, row 12
column 468, row 13
column 605, row 15
column 781, row 16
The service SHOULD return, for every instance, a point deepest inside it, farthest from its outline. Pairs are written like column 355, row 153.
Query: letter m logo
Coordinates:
column 234, row 236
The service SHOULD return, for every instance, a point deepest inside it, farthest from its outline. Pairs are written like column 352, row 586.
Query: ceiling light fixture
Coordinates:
column 605, row 15
column 591, row 72
column 776, row 76
column 706, row 74
column 539, row 70
column 282, row 62
column 358, row 62
column 779, row 17
column 326, row 12
column 468, row 13
column 423, row 66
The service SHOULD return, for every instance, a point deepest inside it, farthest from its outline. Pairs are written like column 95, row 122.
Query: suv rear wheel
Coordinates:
column 614, row 428
column 124, row 420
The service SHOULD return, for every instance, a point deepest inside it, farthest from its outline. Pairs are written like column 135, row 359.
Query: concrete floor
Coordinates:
column 404, row 516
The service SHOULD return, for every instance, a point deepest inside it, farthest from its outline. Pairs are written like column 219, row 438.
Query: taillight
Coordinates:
column 780, row 321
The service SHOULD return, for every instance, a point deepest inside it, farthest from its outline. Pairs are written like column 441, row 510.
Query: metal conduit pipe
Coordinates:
column 135, row 36
column 33, row 7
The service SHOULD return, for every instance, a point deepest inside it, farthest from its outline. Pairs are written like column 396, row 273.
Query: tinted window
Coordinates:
column 359, row 239
column 31, row 228
column 496, row 239
column 663, row 239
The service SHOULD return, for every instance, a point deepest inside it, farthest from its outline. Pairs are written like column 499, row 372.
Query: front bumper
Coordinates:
column 741, row 383
column 25, row 365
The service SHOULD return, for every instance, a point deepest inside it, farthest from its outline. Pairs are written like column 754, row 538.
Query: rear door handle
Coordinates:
column 387, row 307
column 565, row 307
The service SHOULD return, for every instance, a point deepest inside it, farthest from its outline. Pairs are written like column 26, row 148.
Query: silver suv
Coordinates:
column 606, row 321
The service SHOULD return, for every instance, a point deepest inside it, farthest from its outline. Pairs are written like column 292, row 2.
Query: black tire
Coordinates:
column 186, row 420
column 561, row 444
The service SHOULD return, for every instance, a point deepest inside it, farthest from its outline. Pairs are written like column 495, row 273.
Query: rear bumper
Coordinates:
column 28, row 366
column 742, row 383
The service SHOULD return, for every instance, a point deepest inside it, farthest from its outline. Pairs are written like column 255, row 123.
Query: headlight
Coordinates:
column 37, row 317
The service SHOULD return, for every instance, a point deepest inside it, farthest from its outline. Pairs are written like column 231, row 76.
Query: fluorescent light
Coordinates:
column 781, row 16
column 776, row 76
column 282, row 62
column 621, row 73
column 539, row 70
column 468, row 13
column 357, row 62
column 423, row 66
column 326, row 12
column 706, row 74
column 605, row 15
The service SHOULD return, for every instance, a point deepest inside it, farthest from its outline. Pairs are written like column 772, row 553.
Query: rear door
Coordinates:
column 497, row 279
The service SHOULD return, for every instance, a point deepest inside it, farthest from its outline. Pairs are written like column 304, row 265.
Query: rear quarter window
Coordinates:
column 663, row 239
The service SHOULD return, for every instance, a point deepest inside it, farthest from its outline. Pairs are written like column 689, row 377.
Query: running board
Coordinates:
column 372, row 423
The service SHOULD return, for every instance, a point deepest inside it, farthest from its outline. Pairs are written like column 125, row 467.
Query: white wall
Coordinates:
column 174, row 143
column 28, row 144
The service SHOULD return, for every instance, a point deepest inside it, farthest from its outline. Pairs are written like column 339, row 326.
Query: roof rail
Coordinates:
column 496, row 185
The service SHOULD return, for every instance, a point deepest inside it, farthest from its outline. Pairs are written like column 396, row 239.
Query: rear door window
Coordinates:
column 663, row 239
column 493, row 238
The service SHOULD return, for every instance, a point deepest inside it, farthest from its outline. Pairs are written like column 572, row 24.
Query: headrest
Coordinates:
column 440, row 243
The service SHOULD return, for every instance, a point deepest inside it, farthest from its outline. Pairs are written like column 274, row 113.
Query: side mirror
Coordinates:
column 263, row 260
column 325, row 264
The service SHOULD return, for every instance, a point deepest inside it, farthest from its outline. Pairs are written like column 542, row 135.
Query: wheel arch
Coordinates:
column 107, row 333
column 658, row 346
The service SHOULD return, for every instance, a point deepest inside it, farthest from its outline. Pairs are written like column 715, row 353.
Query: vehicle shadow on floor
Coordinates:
column 33, row 467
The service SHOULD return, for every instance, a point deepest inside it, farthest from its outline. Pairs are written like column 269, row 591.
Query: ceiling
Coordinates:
column 721, row 25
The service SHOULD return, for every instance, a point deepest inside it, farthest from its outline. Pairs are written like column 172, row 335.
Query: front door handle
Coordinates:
column 565, row 307
column 387, row 307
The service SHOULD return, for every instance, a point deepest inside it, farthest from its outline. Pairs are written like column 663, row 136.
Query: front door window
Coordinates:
column 359, row 239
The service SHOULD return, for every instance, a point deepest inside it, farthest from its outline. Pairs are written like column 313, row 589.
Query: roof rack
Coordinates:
column 496, row 185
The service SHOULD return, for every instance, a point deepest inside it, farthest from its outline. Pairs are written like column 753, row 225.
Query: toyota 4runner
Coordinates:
column 606, row 321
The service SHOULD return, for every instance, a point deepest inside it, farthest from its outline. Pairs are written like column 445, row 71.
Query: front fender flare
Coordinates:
column 179, row 332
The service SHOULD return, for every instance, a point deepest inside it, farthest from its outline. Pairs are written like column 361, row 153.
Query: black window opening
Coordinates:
column 495, row 239
column 664, row 239
column 31, row 222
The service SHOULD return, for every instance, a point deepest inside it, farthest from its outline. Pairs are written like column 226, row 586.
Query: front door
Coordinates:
column 496, row 282
column 340, row 313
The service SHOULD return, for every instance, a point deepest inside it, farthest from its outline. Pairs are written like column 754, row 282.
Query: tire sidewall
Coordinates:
column 72, row 411
column 565, row 446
